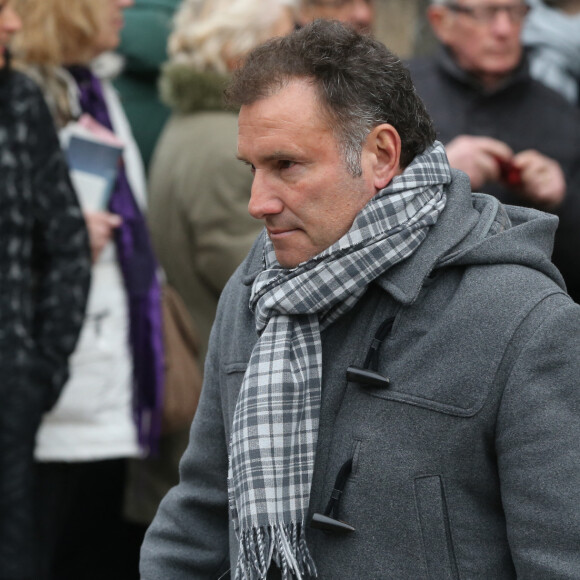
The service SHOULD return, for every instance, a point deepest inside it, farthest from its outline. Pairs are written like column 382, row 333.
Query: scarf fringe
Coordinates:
column 283, row 544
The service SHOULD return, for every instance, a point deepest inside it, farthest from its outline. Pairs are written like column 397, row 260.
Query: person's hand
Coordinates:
column 479, row 157
column 100, row 225
column 542, row 180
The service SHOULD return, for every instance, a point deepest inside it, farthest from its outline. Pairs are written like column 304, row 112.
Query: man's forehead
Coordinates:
column 296, row 101
column 349, row 11
column 488, row 2
column 284, row 125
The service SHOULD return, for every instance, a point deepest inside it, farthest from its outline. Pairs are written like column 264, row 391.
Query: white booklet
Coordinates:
column 94, row 155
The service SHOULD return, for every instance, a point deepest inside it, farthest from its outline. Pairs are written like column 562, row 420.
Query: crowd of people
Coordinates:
column 379, row 260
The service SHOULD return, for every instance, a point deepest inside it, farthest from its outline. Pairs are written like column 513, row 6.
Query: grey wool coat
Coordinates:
column 466, row 466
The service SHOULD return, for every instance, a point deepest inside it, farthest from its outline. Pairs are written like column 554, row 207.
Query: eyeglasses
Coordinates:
column 487, row 13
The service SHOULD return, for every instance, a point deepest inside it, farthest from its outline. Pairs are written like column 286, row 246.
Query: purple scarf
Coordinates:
column 139, row 268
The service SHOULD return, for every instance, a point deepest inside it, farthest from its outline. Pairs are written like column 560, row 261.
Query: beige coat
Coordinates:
column 198, row 209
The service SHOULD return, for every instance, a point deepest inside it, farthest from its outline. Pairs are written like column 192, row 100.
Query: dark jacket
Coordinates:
column 523, row 113
column 467, row 466
column 44, row 279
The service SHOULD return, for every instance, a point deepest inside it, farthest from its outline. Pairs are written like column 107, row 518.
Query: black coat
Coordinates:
column 44, row 279
column 523, row 113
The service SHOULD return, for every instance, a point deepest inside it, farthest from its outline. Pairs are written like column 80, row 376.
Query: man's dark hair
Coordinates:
column 359, row 82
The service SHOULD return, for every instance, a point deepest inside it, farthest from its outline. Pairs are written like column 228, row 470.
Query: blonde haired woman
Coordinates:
column 108, row 411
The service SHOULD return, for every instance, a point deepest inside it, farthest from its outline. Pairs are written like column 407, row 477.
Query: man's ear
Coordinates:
column 384, row 143
column 439, row 17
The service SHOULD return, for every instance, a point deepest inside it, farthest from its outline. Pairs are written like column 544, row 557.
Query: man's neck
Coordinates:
column 570, row 7
column 491, row 82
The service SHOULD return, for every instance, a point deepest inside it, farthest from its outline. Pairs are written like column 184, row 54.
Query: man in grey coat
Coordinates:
column 391, row 388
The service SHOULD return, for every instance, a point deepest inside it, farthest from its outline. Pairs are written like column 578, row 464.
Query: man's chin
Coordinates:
column 502, row 64
column 289, row 259
column 495, row 75
column 286, row 259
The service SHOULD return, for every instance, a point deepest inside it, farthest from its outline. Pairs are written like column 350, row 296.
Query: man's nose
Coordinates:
column 362, row 14
column 12, row 22
column 503, row 23
column 263, row 200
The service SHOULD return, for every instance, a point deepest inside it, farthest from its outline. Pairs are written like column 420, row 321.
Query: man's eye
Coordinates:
column 285, row 164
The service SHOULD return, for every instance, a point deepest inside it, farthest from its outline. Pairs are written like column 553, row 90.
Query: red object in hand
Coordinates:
column 509, row 173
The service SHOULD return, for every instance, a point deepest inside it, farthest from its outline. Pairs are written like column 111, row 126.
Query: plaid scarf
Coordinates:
column 275, row 426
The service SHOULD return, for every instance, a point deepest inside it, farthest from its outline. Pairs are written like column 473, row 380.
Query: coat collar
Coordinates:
column 187, row 90
column 405, row 280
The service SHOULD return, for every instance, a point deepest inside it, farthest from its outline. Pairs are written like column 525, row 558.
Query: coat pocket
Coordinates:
column 435, row 528
column 231, row 378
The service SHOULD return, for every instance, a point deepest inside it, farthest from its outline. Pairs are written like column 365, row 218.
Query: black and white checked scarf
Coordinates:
column 275, row 424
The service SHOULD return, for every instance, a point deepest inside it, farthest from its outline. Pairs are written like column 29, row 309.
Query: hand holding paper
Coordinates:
column 100, row 225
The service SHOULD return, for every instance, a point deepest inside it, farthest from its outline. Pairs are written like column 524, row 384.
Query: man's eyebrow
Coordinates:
column 275, row 156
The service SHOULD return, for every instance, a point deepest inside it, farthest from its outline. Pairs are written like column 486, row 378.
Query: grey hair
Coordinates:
column 360, row 84
column 208, row 33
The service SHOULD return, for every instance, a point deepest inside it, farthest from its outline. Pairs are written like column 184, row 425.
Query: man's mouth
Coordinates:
column 277, row 233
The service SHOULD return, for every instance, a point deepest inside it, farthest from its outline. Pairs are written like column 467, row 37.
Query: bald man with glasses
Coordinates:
column 515, row 138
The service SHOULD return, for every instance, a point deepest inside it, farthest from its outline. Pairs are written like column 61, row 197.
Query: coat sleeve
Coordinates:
column 538, row 445
column 188, row 537
column 61, row 256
